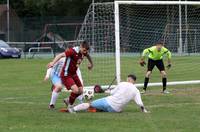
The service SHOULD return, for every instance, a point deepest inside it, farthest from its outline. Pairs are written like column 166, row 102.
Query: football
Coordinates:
column 88, row 94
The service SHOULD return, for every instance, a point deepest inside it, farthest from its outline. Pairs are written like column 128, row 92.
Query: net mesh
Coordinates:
column 141, row 26
column 98, row 30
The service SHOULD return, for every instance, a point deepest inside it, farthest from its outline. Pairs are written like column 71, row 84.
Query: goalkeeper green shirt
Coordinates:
column 154, row 54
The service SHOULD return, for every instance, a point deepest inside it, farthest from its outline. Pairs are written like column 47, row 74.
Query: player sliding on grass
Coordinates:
column 155, row 58
column 68, row 74
column 118, row 99
column 54, row 74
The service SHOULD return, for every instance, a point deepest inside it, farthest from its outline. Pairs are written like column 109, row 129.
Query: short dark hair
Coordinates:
column 85, row 45
column 70, row 45
column 132, row 76
column 161, row 42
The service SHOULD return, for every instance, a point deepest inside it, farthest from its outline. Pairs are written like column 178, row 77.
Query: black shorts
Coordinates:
column 159, row 64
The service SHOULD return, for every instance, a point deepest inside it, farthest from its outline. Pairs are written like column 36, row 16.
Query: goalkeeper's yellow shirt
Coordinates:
column 154, row 54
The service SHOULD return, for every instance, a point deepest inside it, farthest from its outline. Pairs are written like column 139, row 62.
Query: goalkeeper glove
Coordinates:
column 169, row 66
column 142, row 63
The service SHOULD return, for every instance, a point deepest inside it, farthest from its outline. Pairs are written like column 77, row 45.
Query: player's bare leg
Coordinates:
column 74, row 94
column 55, row 93
column 76, row 91
column 80, row 90
column 164, row 81
column 146, row 81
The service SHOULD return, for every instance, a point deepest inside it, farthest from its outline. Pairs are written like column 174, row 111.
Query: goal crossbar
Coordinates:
column 159, row 2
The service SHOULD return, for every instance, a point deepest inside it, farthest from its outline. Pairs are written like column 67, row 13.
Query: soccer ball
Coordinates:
column 88, row 94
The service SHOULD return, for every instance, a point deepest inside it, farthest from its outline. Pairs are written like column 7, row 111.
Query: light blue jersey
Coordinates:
column 57, row 68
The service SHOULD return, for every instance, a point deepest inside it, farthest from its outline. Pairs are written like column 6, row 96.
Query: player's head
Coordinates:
column 84, row 47
column 131, row 78
column 70, row 45
column 159, row 45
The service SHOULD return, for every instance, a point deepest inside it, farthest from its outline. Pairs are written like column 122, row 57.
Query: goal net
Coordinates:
column 118, row 32
column 98, row 29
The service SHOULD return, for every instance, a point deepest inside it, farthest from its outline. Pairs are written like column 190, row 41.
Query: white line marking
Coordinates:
column 172, row 105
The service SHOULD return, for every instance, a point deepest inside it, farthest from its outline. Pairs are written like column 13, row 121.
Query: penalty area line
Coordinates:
column 22, row 102
column 171, row 105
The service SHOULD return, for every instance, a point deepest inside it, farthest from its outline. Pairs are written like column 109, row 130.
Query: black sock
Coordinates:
column 146, row 81
column 164, row 81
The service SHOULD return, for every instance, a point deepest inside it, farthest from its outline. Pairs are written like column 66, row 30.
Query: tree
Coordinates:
column 50, row 7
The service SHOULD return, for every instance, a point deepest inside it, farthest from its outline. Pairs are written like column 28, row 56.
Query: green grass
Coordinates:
column 24, row 100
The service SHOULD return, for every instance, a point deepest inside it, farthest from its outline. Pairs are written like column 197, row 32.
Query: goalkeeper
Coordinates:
column 155, row 58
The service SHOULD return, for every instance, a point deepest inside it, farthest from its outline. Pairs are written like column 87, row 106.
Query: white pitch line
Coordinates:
column 171, row 105
column 14, row 98
column 22, row 102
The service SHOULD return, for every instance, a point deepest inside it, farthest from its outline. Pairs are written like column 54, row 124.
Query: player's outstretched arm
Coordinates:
column 169, row 63
column 47, row 74
column 138, row 101
column 57, row 58
column 90, row 65
column 142, row 60
column 169, row 56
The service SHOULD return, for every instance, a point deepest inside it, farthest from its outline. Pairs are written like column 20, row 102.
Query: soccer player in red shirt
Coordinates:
column 68, row 75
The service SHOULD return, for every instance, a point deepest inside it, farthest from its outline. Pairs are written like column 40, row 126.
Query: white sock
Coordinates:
column 54, row 97
column 83, row 106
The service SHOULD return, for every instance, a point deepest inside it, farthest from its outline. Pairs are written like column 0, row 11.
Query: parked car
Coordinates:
column 8, row 52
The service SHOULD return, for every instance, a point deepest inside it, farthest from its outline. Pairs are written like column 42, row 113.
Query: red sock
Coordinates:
column 72, row 98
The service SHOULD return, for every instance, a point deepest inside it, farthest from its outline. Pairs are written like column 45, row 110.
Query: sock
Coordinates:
column 52, row 88
column 80, row 98
column 164, row 81
column 146, row 81
column 54, row 97
column 72, row 98
column 83, row 106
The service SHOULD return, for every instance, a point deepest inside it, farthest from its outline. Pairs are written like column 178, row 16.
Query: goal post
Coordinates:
column 117, row 43
column 119, row 31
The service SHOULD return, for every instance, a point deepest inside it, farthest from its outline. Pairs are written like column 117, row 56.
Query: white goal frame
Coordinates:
column 117, row 32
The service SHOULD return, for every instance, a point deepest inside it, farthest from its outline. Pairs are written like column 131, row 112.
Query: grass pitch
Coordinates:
column 24, row 102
